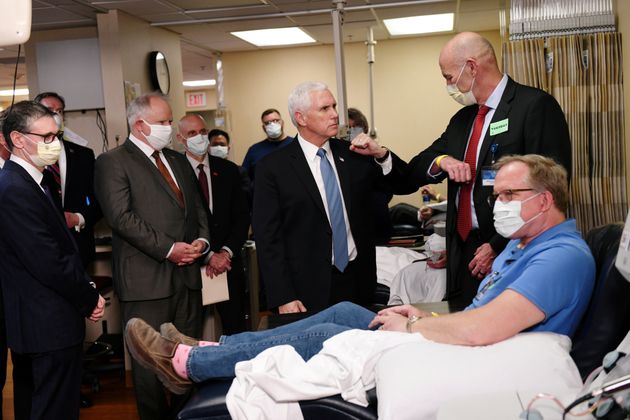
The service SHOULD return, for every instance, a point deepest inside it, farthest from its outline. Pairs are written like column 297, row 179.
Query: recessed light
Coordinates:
column 275, row 37
column 414, row 25
column 18, row 92
column 197, row 83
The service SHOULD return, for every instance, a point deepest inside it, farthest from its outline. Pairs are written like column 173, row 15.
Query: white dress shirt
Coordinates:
column 310, row 152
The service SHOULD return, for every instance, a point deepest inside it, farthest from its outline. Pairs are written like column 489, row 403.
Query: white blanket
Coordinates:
column 390, row 260
column 269, row 386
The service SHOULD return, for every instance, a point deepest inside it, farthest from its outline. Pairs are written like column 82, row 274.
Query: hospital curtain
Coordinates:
column 584, row 73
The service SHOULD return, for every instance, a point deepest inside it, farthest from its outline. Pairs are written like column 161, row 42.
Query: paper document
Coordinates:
column 214, row 289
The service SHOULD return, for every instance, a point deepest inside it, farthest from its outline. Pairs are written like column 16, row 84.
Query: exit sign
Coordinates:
column 195, row 99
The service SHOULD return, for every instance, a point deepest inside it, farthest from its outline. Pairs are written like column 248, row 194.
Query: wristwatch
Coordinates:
column 385, row 156
column 410, row 321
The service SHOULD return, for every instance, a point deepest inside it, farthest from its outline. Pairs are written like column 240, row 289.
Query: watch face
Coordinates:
column 158, row 70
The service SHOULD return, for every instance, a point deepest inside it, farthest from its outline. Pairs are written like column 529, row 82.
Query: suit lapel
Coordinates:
column 69, row 163
column 43, row 198
column 340, row 153
column 148, row 163
column 304, row 174
column 460, row 146
column 501, row 113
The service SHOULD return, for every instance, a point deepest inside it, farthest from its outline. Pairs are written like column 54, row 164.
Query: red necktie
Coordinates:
column 203, row 184
column 464, row 209
column 169, row 179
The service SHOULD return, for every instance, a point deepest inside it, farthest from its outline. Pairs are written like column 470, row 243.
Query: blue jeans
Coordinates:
column 306, row 336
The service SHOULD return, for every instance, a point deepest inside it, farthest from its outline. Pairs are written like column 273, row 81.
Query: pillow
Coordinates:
column 413, row 380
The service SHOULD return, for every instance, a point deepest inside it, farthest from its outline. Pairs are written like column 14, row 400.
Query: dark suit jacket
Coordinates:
column 536, row 125
column 146, row 220
column 46, row 290
column 293, row 234
column 229, row 220
column 79, row 196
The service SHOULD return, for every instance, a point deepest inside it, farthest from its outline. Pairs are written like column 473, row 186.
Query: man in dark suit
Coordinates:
column 46, row 291
column 500, row 117
column 75, row 172
column 312, row 209
column 149, row 197
column 228, row 217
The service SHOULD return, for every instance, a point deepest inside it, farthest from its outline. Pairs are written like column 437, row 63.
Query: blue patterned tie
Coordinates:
column 335, row 210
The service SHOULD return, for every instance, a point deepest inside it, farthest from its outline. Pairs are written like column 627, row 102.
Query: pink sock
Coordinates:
column 180, row 359
column 207, row 343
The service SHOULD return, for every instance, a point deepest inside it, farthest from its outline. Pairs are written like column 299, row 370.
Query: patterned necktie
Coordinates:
column 464, row 209
column 169, row 179
column 47, row 183
column 203, row 184
column 54, row 180
column 335, row 210
column 50, row 186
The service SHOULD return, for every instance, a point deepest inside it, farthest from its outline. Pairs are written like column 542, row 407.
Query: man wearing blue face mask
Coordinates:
column 150, row 198
column 228, row 217
column 500, row 117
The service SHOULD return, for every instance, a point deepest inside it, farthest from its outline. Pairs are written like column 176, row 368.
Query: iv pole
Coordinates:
column 370, row 59
column 340, row 65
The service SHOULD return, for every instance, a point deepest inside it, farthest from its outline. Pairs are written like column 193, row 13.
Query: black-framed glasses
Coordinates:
column 48, row 138
column 505, row 196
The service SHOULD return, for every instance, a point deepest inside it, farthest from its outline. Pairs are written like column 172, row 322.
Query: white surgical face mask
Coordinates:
column 273, row 130
column 160, row 135
column 507, row 217
column 198, row 145
column 464, row 98
column 47, row 154
column 355, row 131
column 219, row 151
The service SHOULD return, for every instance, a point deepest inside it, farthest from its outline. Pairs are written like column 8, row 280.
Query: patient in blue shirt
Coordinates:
column 542, row 281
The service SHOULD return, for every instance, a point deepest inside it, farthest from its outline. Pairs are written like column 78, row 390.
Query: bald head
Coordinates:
column 191, row 125
column 470, row 56
column 468, row 45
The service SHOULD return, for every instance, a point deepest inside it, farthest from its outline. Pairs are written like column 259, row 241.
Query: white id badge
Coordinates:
column 487, row 177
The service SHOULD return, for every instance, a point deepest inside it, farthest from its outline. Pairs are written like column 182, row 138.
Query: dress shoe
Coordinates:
column 154, row 352
column 169, row 331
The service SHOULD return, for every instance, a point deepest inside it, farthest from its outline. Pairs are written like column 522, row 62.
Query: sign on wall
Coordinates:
column 195, row 99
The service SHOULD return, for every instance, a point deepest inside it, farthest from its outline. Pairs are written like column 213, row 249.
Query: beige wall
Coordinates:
column 412, row 107
column 125, row 43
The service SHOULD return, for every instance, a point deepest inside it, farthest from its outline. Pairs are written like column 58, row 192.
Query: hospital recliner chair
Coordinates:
column 604, row 325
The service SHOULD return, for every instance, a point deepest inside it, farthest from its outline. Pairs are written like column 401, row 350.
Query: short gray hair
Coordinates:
column 138, row 108
column 545, row 174
column 300, row 97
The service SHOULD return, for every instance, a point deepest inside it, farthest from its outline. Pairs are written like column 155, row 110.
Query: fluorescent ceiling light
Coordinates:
column 196, row 83
column 273, row 37
column 18, row 92
column 414, row 25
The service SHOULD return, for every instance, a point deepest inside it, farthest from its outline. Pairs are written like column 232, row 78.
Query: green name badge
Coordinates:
column 499, row 127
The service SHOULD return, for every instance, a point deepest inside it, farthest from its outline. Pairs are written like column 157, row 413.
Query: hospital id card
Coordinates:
column 487, row 176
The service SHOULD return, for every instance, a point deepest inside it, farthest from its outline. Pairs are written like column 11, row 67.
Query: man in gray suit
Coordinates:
column 150, row 198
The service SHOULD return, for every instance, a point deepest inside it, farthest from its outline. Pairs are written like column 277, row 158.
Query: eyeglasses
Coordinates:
column 505, row 196
column 48, row 138
column 277, row 121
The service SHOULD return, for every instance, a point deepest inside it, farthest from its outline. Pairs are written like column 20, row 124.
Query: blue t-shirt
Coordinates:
column 555, row 271
column 258, row 151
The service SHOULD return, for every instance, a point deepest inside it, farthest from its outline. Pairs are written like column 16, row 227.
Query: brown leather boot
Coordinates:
column 169, row 331
column 154, row 352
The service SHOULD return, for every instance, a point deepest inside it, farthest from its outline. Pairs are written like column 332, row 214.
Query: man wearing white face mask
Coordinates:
column 150, row 198
column 273, row 126
column 228, row 217
column 46, row 292
column 500, row 117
